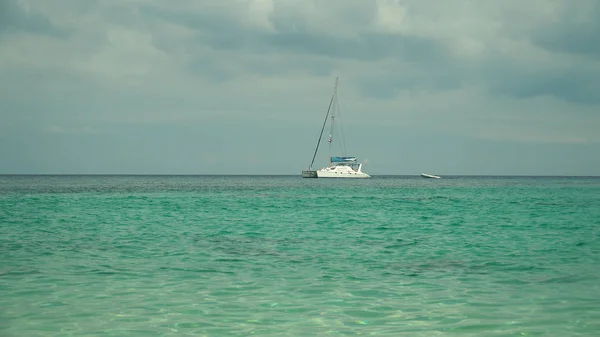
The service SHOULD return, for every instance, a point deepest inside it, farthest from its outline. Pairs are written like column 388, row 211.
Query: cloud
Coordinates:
column 499, row 71
column 573, row 31
column 84, row 130
column 17, row 16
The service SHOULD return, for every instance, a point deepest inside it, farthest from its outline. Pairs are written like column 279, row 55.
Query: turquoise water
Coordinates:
column 236, row 256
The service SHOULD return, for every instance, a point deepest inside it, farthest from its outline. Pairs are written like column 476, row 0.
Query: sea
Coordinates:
column 287, row 256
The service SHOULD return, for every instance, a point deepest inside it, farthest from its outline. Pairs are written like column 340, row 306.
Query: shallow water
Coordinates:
column 236, row 255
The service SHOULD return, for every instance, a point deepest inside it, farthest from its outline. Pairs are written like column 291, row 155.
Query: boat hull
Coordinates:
column 430, row 176
column 309, row 174
column 348, row 175
column 342, row 171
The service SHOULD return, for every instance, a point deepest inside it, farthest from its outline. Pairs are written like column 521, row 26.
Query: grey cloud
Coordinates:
column 219, row 83
column 571, row 86
column 221, row 31
column 577, row 31
column 227, row 68
column 385, row 85
column 322, row 51
column 577, row 82
column 367, row 46
column 433, row 65
column 335, row 17
column 207, row 20
column 16, row 18
column 297, row 45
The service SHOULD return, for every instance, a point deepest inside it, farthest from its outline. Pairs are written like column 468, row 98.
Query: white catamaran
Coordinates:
column 339, row 167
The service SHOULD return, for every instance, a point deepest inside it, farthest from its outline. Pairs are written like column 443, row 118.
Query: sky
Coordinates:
column 456, row 87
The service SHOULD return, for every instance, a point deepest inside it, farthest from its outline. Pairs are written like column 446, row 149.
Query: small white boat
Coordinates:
column 425, row 175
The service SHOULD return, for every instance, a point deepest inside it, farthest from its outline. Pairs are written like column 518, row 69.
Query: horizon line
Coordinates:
column 287, row 175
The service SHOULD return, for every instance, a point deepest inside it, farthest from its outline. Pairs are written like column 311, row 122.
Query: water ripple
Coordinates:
column 234, row 256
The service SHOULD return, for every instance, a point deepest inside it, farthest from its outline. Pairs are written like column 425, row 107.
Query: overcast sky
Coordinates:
column 242, row 86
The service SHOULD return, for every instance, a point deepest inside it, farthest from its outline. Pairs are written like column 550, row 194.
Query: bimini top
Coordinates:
column 343, row 159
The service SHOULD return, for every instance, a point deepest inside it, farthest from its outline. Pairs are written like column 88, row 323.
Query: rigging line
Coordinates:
column 335, row 128
column 332, row 127
column 322, row 129
column 341, row 125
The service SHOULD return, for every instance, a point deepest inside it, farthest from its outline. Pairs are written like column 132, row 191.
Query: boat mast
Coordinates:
column 325, row 122
column 332, row 125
